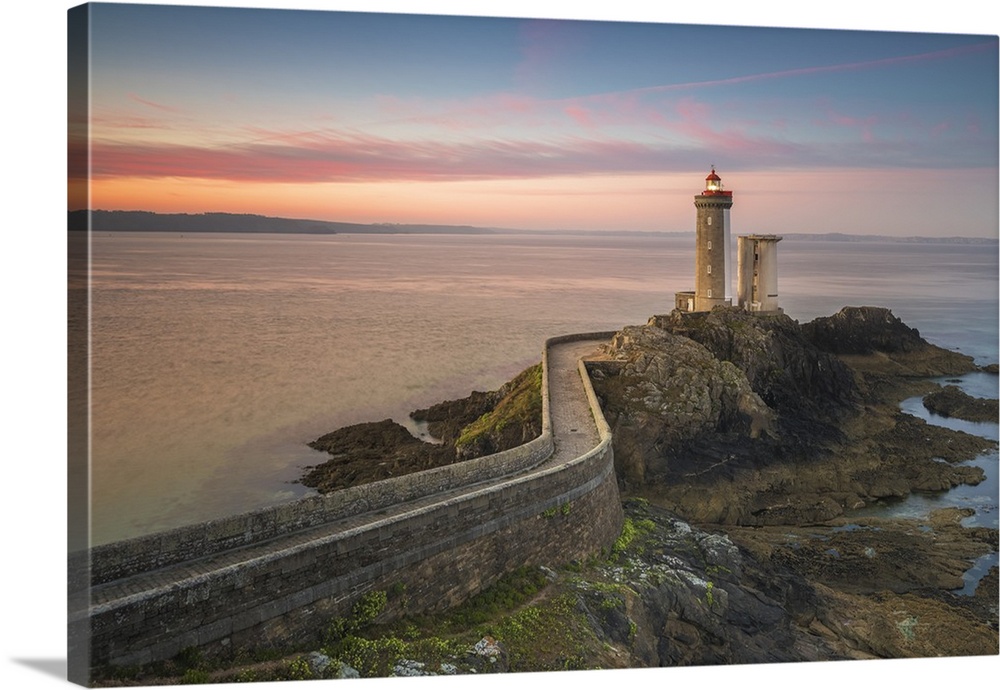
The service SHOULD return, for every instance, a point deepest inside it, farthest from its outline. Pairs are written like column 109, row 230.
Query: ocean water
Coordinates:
column 217, row 357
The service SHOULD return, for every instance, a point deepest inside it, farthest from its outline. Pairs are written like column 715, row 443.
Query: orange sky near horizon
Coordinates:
column 810, row 201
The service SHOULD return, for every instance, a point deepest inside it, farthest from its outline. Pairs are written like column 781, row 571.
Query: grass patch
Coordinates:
column 506, row 594
column 522, row 405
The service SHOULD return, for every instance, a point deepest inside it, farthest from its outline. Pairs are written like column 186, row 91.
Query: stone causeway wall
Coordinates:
column 277, row 575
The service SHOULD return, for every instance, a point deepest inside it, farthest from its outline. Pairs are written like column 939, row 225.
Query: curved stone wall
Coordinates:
column 112, row 561
column 441, row 547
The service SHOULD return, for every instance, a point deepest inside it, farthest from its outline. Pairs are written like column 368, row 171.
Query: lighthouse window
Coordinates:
column 709, row 292
column 709, row 220
column 710, row 269
column 710, row 244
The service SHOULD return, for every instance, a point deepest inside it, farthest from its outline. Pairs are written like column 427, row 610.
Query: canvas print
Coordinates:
column 416, row 345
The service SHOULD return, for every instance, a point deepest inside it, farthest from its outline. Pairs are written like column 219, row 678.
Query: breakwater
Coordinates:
column 276, row 575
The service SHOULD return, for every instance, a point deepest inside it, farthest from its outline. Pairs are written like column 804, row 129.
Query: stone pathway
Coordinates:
column 573, row 428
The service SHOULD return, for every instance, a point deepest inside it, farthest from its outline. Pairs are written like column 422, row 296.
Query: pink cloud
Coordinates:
column 580, row 115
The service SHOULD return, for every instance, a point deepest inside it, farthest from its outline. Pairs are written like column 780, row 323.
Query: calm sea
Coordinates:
column 218, row 356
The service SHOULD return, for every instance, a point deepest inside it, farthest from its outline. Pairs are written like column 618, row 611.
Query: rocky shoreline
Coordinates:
column 742, row 444
column 952, row 401
column 480, row 424
column 761, row 435
column 729, row 418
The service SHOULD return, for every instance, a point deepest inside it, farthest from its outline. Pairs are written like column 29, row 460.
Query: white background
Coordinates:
column 34, row 317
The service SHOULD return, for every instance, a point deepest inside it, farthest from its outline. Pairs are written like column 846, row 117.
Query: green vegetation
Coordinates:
column 630, row 530
column 363, row 613
column 538, row 637
column 506, row 594
column 564, row 509
column 194, row 676
column 522, row 406
column 709, row 596
column 539, row 629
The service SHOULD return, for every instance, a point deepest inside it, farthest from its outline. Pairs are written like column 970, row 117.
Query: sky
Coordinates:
column 537, row 123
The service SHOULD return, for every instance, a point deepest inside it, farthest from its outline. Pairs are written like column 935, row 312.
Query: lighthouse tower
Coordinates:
column 712, row 278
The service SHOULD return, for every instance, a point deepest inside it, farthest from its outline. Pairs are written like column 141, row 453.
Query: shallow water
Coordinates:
column 982, row 498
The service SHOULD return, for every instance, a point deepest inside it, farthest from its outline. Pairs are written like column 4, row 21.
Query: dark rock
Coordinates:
column 485, row 423
column 952, row 401
column 870, row 331
column 481, row 424
column 778, row 360
column 660, row 391
column 370, row 452
column 863, row 331
column 734, row 418
column 697, row 598
column 445, row 420
column 515, row 418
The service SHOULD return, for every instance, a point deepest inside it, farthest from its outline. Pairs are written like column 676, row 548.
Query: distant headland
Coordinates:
column 149, row 221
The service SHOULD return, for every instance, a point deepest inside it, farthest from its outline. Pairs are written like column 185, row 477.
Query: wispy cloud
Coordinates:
column 510, row 135
column 325, row 157
column 826, row 69
column 616, row 108
column 151, row 104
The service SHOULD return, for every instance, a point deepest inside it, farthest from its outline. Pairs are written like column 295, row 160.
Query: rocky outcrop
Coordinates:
column 779, row 361
column 372, row 451
column 877, row 333
column 695, row 597
column 480, row 424
column 952, row 401
column 660, row 391
column 515, row 417
column 863, row 331
column 728, row 417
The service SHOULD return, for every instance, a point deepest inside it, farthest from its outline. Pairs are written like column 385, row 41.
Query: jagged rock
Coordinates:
column 696, row 598
column 445, row 420
column 868, row 331
column 318, row 663
column 480, row 424
column 662, row 390
column 371, row 451
column 774, row 594
column 345, row 671
column 488, row 656
column 408, row 667
column 952, row 401
column 862, row 331
column 778, row 360
column 735, row 418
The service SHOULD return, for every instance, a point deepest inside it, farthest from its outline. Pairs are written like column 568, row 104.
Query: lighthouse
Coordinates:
column 757, row 277
column 712, row 274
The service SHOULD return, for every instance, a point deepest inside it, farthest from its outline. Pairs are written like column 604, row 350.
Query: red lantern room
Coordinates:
column 713, row 185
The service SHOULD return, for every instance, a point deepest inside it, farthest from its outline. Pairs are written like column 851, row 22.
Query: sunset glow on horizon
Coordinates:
column 537, row 124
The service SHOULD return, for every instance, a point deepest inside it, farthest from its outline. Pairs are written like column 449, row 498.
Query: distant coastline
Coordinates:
column 149, row 221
